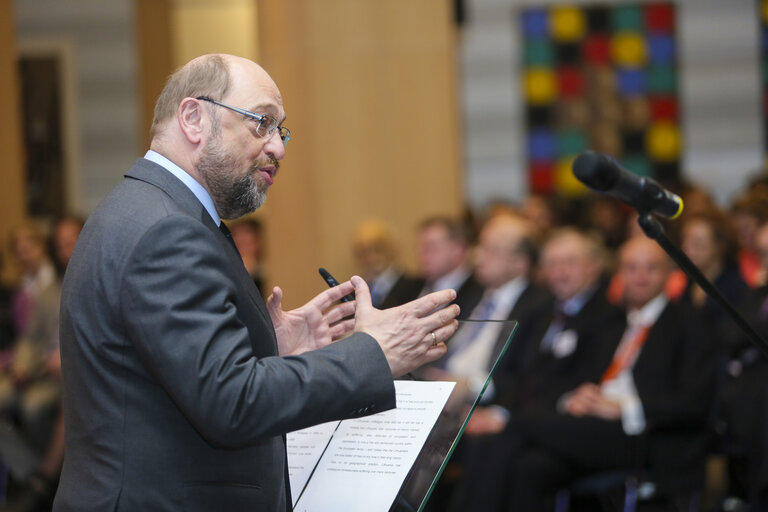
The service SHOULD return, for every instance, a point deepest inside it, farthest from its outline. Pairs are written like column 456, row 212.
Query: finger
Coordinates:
column 324, row 299
column 443, row 333
column 440, row 318
column 434, row 353
column 275, row 301
column 341, row 329
column 362, row 293
column 339, row 312
column 431, row 302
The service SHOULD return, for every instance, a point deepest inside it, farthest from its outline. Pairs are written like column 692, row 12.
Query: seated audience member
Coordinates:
column 648, row 409
column 744, row 408
column 708, row 240
column 579, row 326
column 569, row 344
column 442, row 252
column 660, row 381
column 504, row 259
column 375, row 253
column 30, row 391
column 747, row 214
column 37, row 272
column 248, row 234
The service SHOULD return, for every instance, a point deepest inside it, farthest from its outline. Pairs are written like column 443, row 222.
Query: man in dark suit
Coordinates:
column 657, row 388
column 175, row 397
column 442, row 247
column 563, row 347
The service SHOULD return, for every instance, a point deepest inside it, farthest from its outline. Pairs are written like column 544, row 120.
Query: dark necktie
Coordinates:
column 228, row 235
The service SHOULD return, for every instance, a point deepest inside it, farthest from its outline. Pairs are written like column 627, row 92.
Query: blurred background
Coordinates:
column 413, row 122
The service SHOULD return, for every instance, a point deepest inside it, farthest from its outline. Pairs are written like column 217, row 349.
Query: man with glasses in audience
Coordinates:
column 180, row 382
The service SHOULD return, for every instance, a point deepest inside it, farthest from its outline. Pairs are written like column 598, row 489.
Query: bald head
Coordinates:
column 645, row 268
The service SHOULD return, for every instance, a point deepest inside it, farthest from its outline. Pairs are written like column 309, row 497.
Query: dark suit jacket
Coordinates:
column 676, row 376
column 598, row 327
column 534, row 304
column 408, row 288
column 173, row 398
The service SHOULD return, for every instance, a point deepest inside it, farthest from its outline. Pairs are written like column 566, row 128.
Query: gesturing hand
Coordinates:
column 410, row 335
column 313, row 325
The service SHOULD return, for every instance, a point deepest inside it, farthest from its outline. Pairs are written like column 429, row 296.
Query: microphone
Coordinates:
column 604, row 174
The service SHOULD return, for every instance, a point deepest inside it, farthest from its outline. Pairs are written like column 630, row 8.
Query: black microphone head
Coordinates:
column 595, row 170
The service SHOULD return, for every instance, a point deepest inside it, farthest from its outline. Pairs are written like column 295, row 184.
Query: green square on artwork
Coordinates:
column 571, row 142
column 538, row 52
column 765, row 70
column 638, row 164
column 627, row 18
column 662, row 79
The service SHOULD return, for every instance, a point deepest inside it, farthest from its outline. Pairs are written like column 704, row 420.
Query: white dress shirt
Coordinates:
column 622, row 388
column 472, row 361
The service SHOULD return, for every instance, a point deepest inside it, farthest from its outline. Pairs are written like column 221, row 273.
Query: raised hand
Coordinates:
column 313, row 325
column 410, row 335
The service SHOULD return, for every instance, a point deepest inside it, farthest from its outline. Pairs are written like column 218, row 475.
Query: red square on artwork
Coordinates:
column 664, row 107
column 542, row 176
column 570, row 82
column 659, row 18
column 596, row 49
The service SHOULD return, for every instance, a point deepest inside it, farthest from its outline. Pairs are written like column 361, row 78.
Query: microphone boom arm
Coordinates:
column 653, row 229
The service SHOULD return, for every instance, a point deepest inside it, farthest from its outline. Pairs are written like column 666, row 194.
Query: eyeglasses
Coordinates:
column 266, row 124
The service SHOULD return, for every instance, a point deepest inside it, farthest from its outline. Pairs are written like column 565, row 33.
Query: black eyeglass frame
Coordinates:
column 267, row 125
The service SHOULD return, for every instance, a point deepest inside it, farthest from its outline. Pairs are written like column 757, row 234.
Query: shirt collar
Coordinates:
column 647, row 315
column 505, row 296
column 453, row 280
column 572, row 306
column 192, row 184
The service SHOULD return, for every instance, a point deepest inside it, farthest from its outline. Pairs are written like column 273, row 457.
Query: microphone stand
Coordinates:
column 653, row 229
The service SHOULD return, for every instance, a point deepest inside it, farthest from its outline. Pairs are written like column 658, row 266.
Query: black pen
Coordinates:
column 333, row 282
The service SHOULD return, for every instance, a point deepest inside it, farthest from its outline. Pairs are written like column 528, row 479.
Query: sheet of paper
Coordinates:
column 368, row 458
column 304, row 448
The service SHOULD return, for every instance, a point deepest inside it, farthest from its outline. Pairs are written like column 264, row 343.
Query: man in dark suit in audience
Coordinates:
column 564, row 347
column 648, row 409
column 442, row 250
column 504, row 260
column 179, row 381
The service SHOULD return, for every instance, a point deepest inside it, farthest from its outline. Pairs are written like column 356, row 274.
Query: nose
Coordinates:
column 274, row 146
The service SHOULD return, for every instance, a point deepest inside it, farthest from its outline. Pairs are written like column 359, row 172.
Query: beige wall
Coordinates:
column 12, row 208
column 206, row 26
column 370, row 92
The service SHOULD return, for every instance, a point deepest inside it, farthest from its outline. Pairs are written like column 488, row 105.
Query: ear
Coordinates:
column 192, row 121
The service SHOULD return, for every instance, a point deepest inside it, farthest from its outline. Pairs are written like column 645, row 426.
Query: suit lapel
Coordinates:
column 154, row 174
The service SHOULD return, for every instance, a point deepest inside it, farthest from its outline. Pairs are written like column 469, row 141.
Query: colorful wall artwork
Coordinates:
column 603, row 78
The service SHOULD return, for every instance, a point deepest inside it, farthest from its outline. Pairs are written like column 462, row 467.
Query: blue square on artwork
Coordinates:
column 661, row 48
column 631, row 81
column 535, row 23
column 542, row 145
column 765, row 39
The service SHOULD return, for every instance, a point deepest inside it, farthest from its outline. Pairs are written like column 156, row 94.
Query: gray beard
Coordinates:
column 233, row 197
